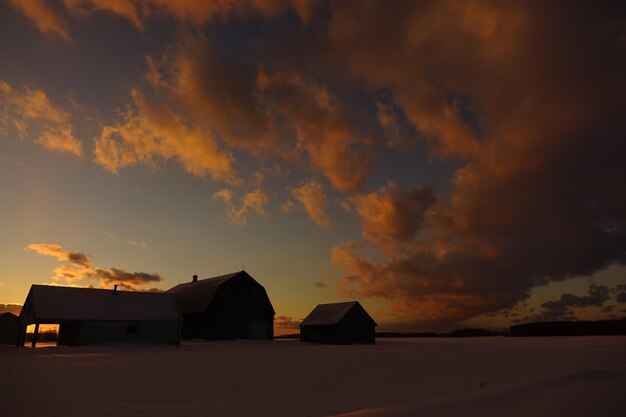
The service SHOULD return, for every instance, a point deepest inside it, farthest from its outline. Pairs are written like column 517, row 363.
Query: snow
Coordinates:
column 496, row 376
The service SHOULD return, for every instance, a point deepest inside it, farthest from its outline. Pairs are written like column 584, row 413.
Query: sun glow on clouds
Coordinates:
column 535, row 137
column 253, row 201
column 30, row 113
column 80, row 269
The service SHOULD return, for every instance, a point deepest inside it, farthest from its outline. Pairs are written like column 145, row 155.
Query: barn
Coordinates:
column 9, row 324
column 338, row 323
column 89, row 315
column 232, row 306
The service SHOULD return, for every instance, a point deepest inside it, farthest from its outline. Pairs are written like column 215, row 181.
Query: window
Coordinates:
column 131, row 328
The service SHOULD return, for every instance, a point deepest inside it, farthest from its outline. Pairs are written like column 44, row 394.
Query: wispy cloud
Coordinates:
column 149, row 135
column 29, row 113
column 76, row 258
column 253, row 201
column 43, row 17
column 310, row 194
column 138, row 244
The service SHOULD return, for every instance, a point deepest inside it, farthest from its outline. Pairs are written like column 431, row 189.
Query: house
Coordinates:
column 232, row 306
column 338, row 323
column 89, row 315
column 9, row 324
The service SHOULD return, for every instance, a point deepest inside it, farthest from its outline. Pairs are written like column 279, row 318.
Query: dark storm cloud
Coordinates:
column 555, row 309
column 537, row 200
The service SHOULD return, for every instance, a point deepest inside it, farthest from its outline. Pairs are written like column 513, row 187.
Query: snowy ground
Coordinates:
column 498, row 376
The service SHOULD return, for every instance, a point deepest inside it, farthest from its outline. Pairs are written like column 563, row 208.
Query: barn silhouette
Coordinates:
column 232, row 306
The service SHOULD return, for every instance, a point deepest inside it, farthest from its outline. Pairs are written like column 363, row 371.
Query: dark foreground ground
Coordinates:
column 495, row 376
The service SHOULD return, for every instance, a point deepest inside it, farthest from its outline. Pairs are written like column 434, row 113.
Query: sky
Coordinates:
column 448, row 164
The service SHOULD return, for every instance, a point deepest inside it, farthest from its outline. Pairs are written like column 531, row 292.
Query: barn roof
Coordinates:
column 327, row 314
column 52, row 303
column 195, row 296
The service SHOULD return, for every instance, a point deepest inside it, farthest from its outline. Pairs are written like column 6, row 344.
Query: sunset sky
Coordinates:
column 448, row 164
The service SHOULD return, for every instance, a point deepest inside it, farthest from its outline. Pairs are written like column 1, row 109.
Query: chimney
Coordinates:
column 195, row 278
column 115, row 289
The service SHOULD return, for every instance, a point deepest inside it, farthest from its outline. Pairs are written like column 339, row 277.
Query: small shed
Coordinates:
column 232, row 306
column 88, row 315
column 9, row 324
column 338, row 323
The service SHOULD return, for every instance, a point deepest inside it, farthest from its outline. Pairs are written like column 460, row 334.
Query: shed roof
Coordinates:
column 53, row 303
column 332, row 313
column 195, row 296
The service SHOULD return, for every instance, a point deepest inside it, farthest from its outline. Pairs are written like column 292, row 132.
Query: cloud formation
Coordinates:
column 196, row 12
column 528, row 110
column 30, row 113
column 75, row 258
column 562, row 308
column 310, row 194
column 391, row 215
column 253, row 201
column 286, row 322
column 150, row 135
column 80, row 268
column 43, row 17
column 482, row 83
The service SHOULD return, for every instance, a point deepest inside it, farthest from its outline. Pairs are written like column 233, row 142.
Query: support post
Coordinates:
column 35, row 334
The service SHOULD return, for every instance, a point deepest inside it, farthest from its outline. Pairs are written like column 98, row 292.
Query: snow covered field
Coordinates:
column 498, row 376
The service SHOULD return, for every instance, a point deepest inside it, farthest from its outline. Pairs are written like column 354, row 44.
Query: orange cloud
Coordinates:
column 61, row 140
column 42, row 16
column 310, row 194
column 283, row 114
column 254, row 201
column 48, row 249
column 391, row 214
column 152, row 134
column 80, row 269
column 185, row 11
column 30, row 113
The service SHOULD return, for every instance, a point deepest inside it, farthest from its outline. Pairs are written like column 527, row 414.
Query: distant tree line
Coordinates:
column 571, row 328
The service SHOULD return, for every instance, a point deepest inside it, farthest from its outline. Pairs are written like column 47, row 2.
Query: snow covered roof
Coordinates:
column 56, row 304
column 326, row 314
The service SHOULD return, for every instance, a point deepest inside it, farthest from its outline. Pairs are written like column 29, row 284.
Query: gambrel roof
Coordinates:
column 195, row 296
